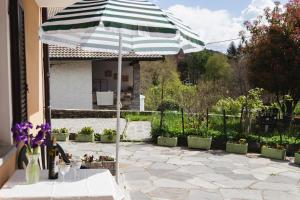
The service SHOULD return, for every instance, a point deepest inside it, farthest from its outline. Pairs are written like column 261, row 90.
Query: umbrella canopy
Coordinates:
column 94, row 25
column 119, row 26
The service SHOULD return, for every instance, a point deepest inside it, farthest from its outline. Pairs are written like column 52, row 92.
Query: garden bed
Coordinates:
column 63, row 137
column 297, row 158
column 195, row 142
column 85, row 138
column 236, row 148
column 167, row 141
column 108, row 139
column 110, row 165
column 273, row 153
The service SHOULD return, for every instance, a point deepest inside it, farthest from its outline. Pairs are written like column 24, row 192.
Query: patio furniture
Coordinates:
column 90, row 184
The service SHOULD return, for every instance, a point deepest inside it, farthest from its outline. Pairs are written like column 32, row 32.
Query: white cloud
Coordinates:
column 256, row 8
column 218, row 25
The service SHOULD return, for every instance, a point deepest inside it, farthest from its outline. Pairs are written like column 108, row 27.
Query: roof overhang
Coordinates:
column 55, row 3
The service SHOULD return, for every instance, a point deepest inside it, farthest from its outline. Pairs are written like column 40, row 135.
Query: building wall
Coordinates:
column 5, row 76
column 34, row 77
column 99, row 68
column 34, row 62
column 71, row 85
column 7, row 169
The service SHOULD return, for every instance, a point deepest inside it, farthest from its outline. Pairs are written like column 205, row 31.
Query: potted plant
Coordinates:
column 278, row 152
column 23, row 135
column 201, row 141
column 86, row 135
column 241, row 147
column 97, row 137
column 167, row 140
column 103, row 162
column 297, row 157
column 61, row 134
column 109, row 136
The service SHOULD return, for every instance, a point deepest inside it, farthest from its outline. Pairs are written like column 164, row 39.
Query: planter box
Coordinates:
column 236, row 148
column 85, row 138
column 61, row 136
column 106, row 139
column 195, row 142
column 166, row 141
column 254, row 147
column 297, row 158
column 278, row 154
column 110, row 165
column 72, row 136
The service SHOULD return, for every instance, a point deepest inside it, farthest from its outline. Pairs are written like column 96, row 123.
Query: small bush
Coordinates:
column 64, row 130
column 110, row 133
column 87, row 131
column 168, row 105
column 97, row 137
column 55, row 130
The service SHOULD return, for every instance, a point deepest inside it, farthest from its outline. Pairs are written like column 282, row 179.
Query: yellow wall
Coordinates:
column 34, row 76
column 7, row 169
column 34, row 62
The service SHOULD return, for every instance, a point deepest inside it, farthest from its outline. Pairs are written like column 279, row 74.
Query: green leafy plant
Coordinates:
column 97, row 137
column 87, row 131
column 55, row 130
column 110, row 133
column 64, row 130
column 242, row 141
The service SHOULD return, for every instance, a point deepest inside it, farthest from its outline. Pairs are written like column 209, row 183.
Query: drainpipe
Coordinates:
column 47, row 108
column 46, row 64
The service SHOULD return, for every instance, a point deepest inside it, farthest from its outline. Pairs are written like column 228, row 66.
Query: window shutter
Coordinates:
column 18, row 61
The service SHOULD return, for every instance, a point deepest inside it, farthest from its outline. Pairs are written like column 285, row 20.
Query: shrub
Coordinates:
column 230, row 105
column 97, row 137
column 64, row 130
column 55, row 130
column 110, row 133
column 297, row 109
column 87, row 131
column 168, row 105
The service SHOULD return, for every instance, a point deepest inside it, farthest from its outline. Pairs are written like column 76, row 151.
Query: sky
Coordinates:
column 216, row 20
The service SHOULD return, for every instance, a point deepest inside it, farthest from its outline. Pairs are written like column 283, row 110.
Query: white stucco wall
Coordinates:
column 5, row 76
column 99, row 68
column 71, row 84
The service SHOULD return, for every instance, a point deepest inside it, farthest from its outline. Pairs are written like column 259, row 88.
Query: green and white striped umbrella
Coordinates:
column 94, row 25
column 119, row 26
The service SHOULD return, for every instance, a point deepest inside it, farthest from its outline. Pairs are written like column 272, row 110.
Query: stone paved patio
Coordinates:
column 161, row 173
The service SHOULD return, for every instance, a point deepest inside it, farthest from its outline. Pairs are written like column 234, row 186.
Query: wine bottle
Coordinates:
column 53, row 160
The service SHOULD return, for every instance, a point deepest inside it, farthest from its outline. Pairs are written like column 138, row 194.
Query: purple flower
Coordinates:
column 22, row 133
column 45, row 128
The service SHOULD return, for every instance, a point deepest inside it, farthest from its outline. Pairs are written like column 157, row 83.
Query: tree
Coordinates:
column 232, row 50
column 239, row 85
column 196, row 99
column 217, row 67
column 193, row 66
column 273, row 55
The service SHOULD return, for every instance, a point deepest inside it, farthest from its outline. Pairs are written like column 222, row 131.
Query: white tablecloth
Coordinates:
column 89, row 185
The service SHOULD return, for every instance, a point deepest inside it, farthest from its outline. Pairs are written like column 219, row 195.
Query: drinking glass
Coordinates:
column 64, row 168
column 76, row 164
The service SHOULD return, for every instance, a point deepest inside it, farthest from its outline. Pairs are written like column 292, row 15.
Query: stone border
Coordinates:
column 72, row 113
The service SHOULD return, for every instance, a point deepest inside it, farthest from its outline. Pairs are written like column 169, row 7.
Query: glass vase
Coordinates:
column 33, row 169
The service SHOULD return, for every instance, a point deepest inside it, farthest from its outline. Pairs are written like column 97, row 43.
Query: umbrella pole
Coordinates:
column 119, row 105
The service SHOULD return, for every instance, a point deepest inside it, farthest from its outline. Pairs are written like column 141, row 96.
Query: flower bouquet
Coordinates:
column 23, row 135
